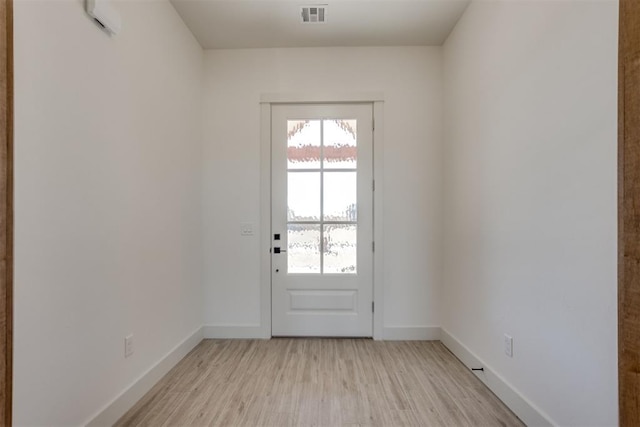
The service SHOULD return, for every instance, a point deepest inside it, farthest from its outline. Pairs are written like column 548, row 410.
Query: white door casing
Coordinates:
column 322, row 220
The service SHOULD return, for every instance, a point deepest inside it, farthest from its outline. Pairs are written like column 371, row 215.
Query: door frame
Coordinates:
column 6, row 211
column 266, row 102
column 628, row 215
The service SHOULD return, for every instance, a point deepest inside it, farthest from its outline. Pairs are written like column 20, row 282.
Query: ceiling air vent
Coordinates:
column 315, row 14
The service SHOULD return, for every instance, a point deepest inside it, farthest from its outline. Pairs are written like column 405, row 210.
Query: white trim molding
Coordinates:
column 234, row 332
column 520, row 405
column 376, row 99
column 320, row 98
column 411, row 333
column 115, row 409
column 378, row 220
column 265, row 220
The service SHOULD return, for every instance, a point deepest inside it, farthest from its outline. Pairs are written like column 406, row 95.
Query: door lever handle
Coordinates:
column 278, row 250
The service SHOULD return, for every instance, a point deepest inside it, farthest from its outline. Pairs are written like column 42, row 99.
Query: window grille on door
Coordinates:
column 322, row 212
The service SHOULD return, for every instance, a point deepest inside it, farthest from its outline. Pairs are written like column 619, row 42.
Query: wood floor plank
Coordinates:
column 319, row 382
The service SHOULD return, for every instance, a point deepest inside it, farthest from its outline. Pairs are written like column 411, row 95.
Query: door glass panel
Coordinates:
column 339, row 144
column 339, row 248
column 303, row 196
column 303, row 144
column 303, row 248
column 320, row 192
column 340, row 196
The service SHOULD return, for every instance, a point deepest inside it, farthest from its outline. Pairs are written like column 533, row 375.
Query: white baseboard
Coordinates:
column 525, row 410
column 130, row 396
column 235, row 332
column 391, row 333
column 411, row 333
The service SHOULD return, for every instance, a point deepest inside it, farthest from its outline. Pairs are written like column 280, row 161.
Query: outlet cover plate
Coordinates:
column 128, row 345
column 508, row 345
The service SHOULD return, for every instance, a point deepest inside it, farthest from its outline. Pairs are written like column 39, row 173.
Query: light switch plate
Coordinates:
column 246, row 229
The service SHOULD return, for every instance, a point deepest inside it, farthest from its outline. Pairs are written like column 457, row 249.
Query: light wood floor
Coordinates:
column 322, row 382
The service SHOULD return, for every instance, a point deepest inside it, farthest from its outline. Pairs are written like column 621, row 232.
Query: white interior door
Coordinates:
column 322, row 220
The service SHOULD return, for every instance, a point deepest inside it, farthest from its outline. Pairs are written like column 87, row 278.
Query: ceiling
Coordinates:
column 234, row 24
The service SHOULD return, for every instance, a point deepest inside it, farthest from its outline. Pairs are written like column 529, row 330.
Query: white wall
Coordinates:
column 530, row 199
column 411, row 81
column 108, row 207
column 111, row 225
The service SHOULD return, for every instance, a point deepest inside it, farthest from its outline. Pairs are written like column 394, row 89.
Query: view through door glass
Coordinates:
column 322, row 201
column 322, row 220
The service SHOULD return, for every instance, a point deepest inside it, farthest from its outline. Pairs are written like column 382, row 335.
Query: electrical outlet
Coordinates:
column 128, row 345
column 508, row 345
column 246, row 229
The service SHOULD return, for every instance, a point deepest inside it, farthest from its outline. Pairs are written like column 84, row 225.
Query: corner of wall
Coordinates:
column 115, row 409
column 520, row 405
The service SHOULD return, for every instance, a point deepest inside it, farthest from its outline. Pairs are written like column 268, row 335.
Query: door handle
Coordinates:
column 278, row 250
